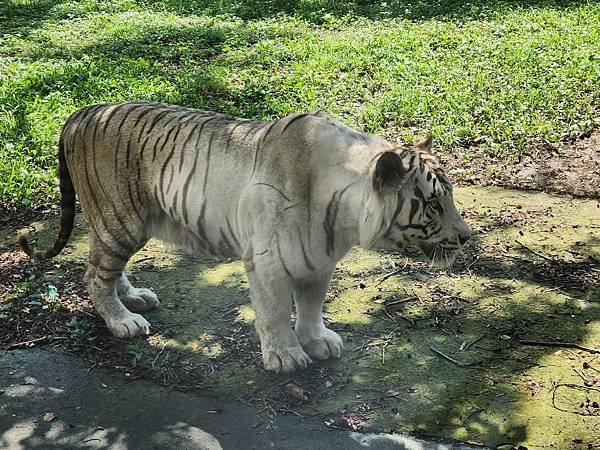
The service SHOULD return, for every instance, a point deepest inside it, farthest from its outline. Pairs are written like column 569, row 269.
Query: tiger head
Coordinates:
column 411, row 204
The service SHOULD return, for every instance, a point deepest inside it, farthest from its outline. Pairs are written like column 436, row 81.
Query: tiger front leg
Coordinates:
column 271, row 295
column 317, row 340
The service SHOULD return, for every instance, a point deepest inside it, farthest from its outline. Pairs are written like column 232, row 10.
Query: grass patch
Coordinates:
column 495, row 75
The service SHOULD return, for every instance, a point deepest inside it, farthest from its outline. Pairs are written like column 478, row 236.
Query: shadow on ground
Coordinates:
column 319, row 10
column 472, row 355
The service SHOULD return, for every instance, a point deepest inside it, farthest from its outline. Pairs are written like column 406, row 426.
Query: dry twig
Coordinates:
column 25, row 343
column 452, row 360
column 398, row 302
column 559, row 344
column 541, row 255
column 392, row 273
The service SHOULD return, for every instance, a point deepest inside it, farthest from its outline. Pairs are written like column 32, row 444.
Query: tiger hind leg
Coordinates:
column 135, row 299
column 103, row 278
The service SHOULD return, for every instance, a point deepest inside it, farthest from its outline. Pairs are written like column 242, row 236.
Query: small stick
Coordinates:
column 576, row 386
column 572, row 386
column 547, row 258
column 288, row 410
column 473, row 412
column 397, row 302
column 147, row 258
column 581, row 375
column 475, row 341
column 21, row 344
column 388, row 314
column 448, row 358
column 472, row 264
column 392, row 273
column 417, row 295
column 159, row 353
column 408, row 319
column 559, row 344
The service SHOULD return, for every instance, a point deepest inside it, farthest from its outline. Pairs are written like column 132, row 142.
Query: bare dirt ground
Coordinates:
column 571, row 168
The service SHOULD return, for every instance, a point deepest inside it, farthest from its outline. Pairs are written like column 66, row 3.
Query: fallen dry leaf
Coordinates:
column 390, row 393
column 49, row 417
column 297, row 392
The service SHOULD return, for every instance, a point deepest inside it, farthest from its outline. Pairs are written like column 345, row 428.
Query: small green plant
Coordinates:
column 50, row 297
column 142, row 357
column 37, row 299
column 51, row 292
column 137, row 349
column 81, row 331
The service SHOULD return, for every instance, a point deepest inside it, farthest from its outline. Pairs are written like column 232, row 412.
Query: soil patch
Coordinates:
column 566, row 168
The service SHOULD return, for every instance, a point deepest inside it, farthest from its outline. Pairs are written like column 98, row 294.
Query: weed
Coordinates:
column 81, row 331
column 138, row 351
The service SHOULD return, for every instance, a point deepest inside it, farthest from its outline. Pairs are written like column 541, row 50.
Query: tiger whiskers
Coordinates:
column 442, row 257
column 434, row 258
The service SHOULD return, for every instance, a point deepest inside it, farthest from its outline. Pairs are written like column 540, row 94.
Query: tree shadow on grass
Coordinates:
column 143, row 67
column 318, row 11
column 24, row 17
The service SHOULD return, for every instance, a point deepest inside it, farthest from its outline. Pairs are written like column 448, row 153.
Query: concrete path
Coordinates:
column 55, row 401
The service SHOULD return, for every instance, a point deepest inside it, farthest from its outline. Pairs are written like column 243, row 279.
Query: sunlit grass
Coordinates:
column 495, row 75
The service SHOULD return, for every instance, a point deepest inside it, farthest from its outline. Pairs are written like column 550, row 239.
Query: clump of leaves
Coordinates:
column 81, row 331
column 138, row 351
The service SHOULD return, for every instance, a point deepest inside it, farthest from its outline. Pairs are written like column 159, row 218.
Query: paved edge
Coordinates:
column 55, row 401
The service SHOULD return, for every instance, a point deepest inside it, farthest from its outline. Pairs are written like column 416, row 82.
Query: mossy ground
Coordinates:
column 530, row 274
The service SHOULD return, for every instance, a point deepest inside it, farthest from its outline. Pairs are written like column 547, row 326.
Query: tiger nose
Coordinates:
column 463, row 237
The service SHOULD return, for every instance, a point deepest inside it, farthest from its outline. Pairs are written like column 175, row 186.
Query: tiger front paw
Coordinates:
column 326, row 345
column 129, row 326
column 286, row 360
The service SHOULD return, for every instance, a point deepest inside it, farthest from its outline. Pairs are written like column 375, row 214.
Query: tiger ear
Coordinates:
column 388, row 172
column 425, row 145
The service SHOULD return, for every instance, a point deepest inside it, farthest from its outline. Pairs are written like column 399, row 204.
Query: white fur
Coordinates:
column 289, row 198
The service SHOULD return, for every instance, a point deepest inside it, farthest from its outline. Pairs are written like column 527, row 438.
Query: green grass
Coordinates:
column 499, row 74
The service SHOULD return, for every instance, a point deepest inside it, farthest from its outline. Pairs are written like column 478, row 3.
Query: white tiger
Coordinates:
column 288, row 197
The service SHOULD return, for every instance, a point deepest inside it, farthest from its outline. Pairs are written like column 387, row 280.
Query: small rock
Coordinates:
column 29, row 381
column 390, row 393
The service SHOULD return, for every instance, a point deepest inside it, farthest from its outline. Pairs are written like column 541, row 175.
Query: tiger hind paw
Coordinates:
column 139, row 300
